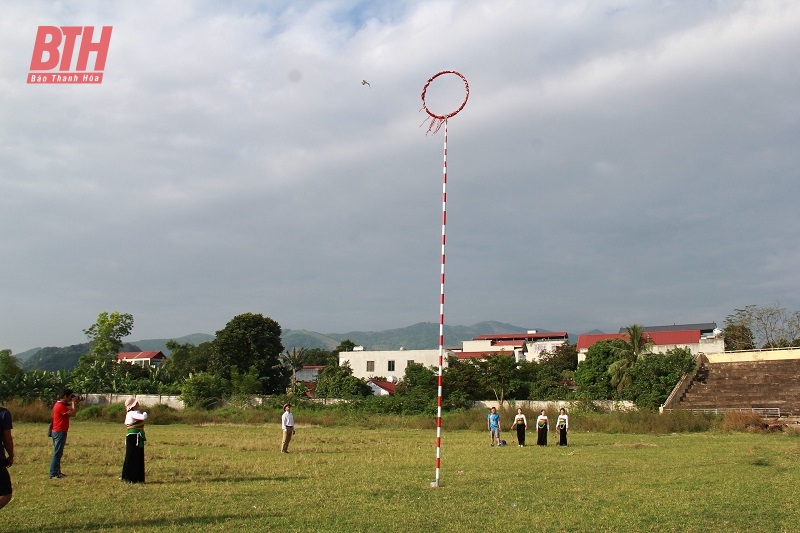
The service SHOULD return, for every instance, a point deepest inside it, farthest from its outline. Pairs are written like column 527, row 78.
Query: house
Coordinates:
column 390, row 364
column 524, row 346
column 308, row 373
column 143, row 359
column 697, row 338
column 381, row 388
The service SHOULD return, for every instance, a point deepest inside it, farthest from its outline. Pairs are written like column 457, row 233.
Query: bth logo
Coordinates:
column 48, row 54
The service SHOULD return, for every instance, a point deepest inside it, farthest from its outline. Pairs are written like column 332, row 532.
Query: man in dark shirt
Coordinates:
column 6, row 447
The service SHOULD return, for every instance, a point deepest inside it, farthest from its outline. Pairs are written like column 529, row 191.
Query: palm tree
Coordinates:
column 634, row 346
column 294, row 361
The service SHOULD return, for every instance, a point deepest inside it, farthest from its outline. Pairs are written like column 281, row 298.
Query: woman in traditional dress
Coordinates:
column 133, row 467
column 562, row 423
column 521, row 423
column 542, row 427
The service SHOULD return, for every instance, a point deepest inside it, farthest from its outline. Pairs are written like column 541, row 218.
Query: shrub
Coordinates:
column 202, row 390
column 738, row 421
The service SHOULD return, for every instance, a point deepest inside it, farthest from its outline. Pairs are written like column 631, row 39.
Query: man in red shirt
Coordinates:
column 63, row 410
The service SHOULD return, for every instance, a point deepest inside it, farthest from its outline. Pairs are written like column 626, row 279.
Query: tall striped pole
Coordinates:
column 437, row 121
column 441, row 317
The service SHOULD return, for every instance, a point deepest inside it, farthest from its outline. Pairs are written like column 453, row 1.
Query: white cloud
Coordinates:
column 616, row 162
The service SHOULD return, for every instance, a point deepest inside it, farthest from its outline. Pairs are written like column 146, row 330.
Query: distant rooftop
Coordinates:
column 704, row 327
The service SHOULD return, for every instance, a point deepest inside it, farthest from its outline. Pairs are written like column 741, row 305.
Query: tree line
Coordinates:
column 247, row 359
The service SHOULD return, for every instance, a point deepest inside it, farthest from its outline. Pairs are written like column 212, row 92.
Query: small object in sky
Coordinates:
column 365, row 82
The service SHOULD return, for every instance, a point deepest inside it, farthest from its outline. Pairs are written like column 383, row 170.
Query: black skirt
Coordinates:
column 521, row 434
column 133, row 467
column 541, row 436
column 562, row 433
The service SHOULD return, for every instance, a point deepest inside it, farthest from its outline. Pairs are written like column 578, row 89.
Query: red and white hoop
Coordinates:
column 438, row 120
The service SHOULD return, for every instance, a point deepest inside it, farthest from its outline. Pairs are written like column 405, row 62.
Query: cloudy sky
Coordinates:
column 617, row 161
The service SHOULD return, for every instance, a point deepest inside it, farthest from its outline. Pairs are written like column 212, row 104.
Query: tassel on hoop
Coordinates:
column 436, row 121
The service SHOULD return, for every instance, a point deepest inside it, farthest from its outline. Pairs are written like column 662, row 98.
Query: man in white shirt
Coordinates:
column 287, row 425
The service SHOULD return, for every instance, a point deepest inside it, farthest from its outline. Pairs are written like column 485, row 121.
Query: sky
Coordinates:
column 616, row 162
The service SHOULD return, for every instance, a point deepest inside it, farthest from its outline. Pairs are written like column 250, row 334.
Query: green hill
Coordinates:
column 54, row 359
column 155, row 345
column 421, row 336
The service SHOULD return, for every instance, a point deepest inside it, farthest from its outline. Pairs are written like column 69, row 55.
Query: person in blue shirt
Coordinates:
column 493, row 422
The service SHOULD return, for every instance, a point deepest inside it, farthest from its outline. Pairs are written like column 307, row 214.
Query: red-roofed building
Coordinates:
column 523, row 346
column 391, row 364
column 151, row 359
column 311, row 388
column 381, row 388
column 662, row 339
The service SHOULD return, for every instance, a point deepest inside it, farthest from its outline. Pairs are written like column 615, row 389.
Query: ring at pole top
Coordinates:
column 466, row 95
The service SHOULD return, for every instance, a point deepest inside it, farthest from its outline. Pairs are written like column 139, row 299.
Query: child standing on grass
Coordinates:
column 493, row 423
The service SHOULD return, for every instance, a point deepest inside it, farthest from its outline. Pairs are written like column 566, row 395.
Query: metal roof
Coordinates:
column 703, row 327
column 658, row 338
column 127, row 356
column 522, row 336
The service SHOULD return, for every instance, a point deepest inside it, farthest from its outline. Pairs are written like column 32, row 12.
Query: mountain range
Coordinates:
column 421, row 336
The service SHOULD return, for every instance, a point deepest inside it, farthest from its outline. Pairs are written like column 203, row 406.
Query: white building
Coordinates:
column 524, row 346
column 390, row 364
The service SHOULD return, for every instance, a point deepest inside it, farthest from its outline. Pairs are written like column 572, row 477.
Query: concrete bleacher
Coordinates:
column 767, row 383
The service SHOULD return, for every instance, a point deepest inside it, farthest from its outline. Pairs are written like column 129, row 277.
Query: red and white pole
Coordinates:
column 441, row 317
column 437, row 121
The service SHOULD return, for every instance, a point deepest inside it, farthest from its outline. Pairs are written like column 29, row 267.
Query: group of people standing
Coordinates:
column 132, row 466
column 521, row 425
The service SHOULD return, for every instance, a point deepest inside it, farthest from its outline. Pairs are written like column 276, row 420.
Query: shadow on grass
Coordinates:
column 225, row 479
column 140, row 523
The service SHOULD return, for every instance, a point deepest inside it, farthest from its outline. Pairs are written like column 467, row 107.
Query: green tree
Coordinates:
column 203, row 390
column 769, row 326
column 635, row 344
column 592, row 377
column 549, row 375
column 251, row 340
column 345, row 346
column 461, row 382
column 244, row 386
column 105, row 335
column 564, row 358
column 339, row 382
column 319, row 357
column 418, row 378
column 499, row 374
column 653, row 377
column 738, row 337
column 187, row 358
column 293, row 361
column 10, row 366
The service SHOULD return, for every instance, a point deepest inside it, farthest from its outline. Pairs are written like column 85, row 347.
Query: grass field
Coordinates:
column 233, row 478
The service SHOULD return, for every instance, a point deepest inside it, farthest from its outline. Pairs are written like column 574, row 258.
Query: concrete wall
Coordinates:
column 536, row 405
column 144, row 400
column 772, row 354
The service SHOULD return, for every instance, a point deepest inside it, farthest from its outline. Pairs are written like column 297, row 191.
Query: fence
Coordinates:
column 762, row 412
